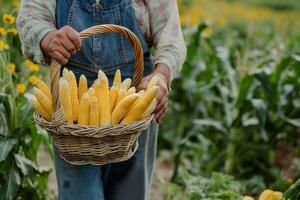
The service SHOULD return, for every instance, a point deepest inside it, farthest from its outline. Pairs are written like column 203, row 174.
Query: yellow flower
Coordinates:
column 2, row 31
column 2, row 44
column 16, row 3
column 33, row 79
column 28, row 63
column 290, row 181
column 33, row 67
column 182, row 20
column 8, row 19
column 21, row 88
column 11, row 67
column 208, row 31
column 12, row 31
column 270, row 194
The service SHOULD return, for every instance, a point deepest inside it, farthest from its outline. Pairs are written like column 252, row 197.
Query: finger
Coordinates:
column 160, row 115
column 144, row 82
column 161, row 103
column 74, row 37
column 69, row 46
column 60, row 58
column 64, row 52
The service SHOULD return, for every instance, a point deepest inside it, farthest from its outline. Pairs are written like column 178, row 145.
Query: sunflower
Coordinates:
column 2, row 44
column 8, row 19
column 35, row 68
column 12, row 31
column 21, row 88
column 11, row 67
column 3, row 32
column 33, row 79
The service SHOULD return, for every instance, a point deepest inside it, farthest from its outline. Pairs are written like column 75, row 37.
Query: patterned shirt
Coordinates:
column 158, row 20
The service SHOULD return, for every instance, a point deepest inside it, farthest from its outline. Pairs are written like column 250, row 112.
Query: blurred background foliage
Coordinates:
column 236, row 99
column 236, row 102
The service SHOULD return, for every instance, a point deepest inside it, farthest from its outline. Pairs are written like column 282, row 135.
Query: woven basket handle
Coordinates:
column 138, row 52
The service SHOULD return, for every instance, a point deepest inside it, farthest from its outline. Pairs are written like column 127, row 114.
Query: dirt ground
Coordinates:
column 163, row 172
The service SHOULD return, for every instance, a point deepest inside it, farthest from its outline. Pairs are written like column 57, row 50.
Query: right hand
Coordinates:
column 61, row 44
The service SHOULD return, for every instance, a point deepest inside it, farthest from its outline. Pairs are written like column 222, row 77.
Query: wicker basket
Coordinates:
column 79, row 144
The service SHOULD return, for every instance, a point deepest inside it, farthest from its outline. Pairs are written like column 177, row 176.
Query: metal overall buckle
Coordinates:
column 97, row 4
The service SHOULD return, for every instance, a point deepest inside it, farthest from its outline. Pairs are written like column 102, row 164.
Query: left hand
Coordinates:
column 163, row 74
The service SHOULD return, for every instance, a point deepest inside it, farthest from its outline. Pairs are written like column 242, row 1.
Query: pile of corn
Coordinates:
column 98, row 105
column 267, row 195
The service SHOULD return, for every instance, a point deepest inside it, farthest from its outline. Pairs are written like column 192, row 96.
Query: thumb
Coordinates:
column 144, row 82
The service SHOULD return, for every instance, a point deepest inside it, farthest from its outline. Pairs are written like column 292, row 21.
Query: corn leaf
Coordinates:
column 6, row 145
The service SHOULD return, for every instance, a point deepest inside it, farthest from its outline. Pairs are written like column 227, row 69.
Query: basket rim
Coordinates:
column 94, row 131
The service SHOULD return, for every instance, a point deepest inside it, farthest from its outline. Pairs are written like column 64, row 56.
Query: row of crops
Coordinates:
column 20, row 139
column 236, row 102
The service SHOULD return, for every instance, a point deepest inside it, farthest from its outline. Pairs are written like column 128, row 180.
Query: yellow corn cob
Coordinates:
column 83, row 87
column 65, row 99
column 150, row 109
column 94, row 111
column 144, row 101
column 65, row 73
column 91, row 91
column 130, row 91
column 94, row 84
column 126, row 84
column 103, row 96
column 141, row 92
column 152, row 82
column 121, row 95
column 123, row 107
column 43, row 99
column 41, row 110
column 42, row 86
column 117, row 78
column 97, row 88
column 101, row 75
column 74, row 94
column 113, row 95
column 84, row 110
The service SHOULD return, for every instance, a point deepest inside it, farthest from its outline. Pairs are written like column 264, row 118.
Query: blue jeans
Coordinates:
column 128, row 180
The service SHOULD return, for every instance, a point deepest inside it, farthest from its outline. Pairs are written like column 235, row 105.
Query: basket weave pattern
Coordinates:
column 79, row 144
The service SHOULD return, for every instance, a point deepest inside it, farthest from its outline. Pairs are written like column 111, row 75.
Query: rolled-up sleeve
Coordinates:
column 166, row 34
column 35, row 19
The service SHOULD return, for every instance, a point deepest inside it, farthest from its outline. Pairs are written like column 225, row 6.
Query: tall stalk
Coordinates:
column 180, row 132
column 230, row 152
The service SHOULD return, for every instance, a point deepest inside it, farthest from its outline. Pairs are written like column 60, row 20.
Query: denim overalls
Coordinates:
column 129, row 180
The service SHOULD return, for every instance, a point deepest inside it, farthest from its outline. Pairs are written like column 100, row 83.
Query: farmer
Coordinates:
column 49, row 29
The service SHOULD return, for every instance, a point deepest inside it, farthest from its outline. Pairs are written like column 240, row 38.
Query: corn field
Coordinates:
column 233, row 119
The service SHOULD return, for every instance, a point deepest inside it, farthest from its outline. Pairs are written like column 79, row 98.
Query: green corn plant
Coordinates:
column 20, row 138
column 234, row 102
column 293, row 192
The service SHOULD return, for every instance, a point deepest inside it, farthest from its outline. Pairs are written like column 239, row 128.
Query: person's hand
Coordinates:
column 163, row 74
column 61, row 44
